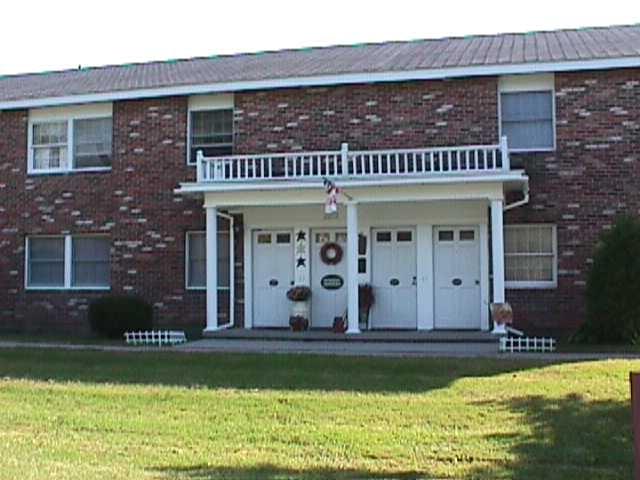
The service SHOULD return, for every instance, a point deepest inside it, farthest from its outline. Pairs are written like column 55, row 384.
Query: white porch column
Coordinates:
column 352, row 268
column 497, row 255
column 212, row 268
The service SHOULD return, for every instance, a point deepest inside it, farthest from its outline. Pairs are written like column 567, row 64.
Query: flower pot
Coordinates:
column 298, row 324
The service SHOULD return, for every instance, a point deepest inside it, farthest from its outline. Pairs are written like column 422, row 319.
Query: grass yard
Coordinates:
column 84, row 415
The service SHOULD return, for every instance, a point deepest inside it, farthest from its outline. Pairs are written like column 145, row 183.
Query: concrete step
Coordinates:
column 386, row 336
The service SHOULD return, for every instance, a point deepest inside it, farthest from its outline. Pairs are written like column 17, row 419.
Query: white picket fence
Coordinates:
column 527, row 344
column 155, row 337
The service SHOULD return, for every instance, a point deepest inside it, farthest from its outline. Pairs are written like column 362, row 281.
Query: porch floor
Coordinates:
column 386, row 336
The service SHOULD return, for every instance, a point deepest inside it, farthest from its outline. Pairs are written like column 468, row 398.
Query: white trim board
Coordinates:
column 325, row 80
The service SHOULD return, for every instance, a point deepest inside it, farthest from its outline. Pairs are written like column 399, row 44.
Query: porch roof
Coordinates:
column 471, row 171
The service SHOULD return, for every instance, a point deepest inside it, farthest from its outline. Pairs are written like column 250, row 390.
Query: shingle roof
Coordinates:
column 616, row 42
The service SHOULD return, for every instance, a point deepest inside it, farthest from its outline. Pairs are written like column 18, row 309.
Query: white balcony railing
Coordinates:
column 355, row 164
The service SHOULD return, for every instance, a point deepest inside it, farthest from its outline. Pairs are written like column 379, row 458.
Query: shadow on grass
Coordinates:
column 272, row 472
column 275, row 372
column 572, row 437
column 563, row 439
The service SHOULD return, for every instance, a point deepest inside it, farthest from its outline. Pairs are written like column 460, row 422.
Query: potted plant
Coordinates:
column 299, row 317
column 366, row 301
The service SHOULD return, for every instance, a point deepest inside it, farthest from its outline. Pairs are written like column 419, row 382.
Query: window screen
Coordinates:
column 211, row 132
column 46, row 262
column 527, row 119
column 196, row 261
column 49, row 145
column 92, row 142
column 530, row 255
column 91, row 261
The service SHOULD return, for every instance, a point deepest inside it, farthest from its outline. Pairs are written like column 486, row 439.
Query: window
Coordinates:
column 92, row 142
column 404, row 236
column 78, row 262
column 445, row 236
column 527, row 120
column 467, row 235
column 46, row 262
column 283, row 238
column 264, row 238
column 90, row 261
column 212, row 132
column 530, row 256
column 383, row 237
column 70, row 144
column 49, row 146
column 196, row 260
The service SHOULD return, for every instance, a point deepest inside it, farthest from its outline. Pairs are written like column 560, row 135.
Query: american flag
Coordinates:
column 331, row 203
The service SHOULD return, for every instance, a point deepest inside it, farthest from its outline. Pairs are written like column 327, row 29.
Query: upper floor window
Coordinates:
column 68, row 139
column 527, row 112
column 211, row 132
column 210, row 125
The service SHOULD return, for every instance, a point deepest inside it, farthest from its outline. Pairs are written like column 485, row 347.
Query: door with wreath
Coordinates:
column 328, row 276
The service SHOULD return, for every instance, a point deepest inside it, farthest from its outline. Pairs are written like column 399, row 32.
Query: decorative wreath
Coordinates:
column 331, row 253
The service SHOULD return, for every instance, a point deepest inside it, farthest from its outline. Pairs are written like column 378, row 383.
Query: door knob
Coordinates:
column 457, row 282
column 414, row 281
column 477, row 282
column 273, row 282
column 394, row 282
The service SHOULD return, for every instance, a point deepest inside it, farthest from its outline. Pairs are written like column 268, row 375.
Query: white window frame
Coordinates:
column 68, row 264
column 206, row 103
column 519, row 285
column 528, row 84
column 186, row 259
column 68, row 115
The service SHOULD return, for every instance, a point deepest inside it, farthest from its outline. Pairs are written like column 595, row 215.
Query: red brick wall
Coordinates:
column 416, row 114
column 134, row 204
column 592, row 176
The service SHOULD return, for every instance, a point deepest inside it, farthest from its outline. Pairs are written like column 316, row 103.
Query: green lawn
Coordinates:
column 84, row 415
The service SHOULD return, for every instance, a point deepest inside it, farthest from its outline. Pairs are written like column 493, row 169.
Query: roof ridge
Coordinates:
column 312, row 48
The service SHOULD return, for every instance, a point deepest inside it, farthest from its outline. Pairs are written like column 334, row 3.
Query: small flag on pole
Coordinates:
column 331, row 202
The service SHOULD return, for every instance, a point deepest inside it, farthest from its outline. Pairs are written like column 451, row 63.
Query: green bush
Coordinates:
column 113, row 315
column 613, row 287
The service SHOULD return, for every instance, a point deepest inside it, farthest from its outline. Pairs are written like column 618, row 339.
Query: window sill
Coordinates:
column 532, row 150
column 68, row 289
column 204, row 289
column 67, row 172
column 530, row 285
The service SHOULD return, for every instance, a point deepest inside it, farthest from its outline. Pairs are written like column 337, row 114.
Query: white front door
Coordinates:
column 328, row 282
column 272, row 277
column 393, row 274
column 457, row 278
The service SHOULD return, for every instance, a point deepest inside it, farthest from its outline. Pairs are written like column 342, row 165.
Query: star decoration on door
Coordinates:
column 301, row 262
column 301, row 236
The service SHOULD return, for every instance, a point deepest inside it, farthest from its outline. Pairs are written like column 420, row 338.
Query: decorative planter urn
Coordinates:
column 300, row 297
column 502, row 315
column 300, row 308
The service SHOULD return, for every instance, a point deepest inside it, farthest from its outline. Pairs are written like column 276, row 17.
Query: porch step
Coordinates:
column 403, row 336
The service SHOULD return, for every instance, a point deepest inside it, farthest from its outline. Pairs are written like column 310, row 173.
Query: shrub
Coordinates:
column 613, row 287
column 111, row 316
